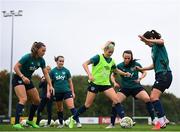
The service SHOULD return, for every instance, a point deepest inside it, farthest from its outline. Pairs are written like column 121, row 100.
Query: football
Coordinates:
column 56, row 123
column 66, row 122
column 43, row 123
column 52, row 123
column 126, row 122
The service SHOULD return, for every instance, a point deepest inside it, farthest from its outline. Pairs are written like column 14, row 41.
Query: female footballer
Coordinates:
column 64, row 89
column 130, row 85
column 102, row 67
column 163, row 75
column 23, row 85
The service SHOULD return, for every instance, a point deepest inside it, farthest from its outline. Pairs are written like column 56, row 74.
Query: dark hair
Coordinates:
column 132, row 60
column 129, row 52
column 152, row 34
column 35, row 47
column 57, row 58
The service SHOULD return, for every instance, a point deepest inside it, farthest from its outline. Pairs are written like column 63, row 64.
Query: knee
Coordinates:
column 146, row 99
column 87, row 106
column 116, row 101
column 37, row 101
column 153, row 98
column 23, row 100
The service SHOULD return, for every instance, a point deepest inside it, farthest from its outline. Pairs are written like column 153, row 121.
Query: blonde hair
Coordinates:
column 108, row 45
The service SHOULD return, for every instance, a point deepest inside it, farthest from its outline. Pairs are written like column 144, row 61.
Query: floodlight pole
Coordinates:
column 11, row 14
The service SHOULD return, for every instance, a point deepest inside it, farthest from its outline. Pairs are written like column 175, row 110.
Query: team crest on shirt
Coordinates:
column 38, row 64
column 63, row 73
column 133, row 68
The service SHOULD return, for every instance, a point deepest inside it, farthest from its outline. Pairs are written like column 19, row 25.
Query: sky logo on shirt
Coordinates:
column 59, row 77
column 32, row 68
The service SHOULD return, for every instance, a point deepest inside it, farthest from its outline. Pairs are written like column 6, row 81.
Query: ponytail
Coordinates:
column 57, row 58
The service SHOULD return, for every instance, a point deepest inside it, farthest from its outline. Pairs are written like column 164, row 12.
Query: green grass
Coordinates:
column 96, row 128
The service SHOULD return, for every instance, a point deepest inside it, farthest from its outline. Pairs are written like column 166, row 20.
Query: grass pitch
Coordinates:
column 95, row 128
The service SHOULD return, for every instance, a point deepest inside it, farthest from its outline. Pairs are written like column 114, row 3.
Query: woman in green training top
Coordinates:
column 163, row 75
column 130, row 85
column 23, row 85
column 64, row 89
column 102, row 67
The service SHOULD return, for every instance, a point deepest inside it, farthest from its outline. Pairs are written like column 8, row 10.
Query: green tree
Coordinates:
column 101, row 105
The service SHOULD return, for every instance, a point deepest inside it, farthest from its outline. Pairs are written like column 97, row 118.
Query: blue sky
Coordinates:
column 77, row 29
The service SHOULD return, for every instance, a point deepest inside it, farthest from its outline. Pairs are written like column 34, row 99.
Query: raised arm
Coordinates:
column 145, row 68
column 154, row 41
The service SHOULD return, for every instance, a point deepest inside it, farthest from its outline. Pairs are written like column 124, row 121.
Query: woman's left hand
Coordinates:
column 116, row 85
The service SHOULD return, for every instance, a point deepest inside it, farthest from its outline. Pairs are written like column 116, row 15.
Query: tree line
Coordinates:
column 101, row 105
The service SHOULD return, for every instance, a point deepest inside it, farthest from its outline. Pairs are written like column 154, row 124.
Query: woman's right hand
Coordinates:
column 142, row 38
column 48, row 94
column 127, row 74
column 50, row 91
column 26, row 80
column 91, row 78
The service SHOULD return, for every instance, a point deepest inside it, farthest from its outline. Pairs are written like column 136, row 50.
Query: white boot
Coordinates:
column 110, row 126
column 79, row 125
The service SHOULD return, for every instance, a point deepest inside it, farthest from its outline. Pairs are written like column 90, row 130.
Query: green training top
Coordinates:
column 102, row 70
column 30, row 64
column 60, row 79
column 129, row 82
column 160, row 58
